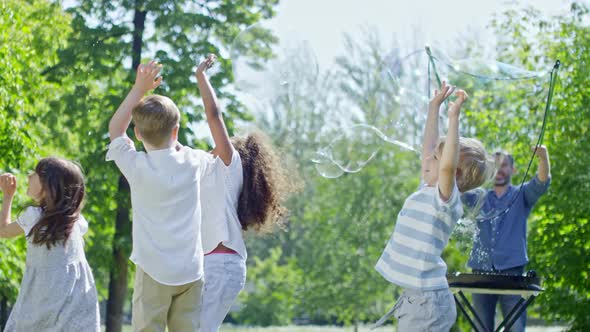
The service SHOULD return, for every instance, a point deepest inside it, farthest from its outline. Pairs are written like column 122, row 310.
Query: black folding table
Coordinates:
column 527, row 286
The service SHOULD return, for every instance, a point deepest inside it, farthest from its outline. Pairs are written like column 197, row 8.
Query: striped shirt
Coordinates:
column 412, row 257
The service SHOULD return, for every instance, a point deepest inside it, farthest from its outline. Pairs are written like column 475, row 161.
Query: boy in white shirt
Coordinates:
column 165, row 198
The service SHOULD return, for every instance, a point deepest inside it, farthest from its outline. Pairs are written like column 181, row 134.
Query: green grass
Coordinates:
column 229, row 328
column 301, row 329
column 388, row 328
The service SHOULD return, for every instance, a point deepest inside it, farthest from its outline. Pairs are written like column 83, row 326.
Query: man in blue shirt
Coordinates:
column 501, row 241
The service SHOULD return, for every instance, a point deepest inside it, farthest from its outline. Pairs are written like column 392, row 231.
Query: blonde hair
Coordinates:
column 155, row 117
column 475, row 166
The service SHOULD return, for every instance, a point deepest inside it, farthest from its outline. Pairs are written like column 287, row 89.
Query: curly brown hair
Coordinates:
column 63, row 190
column 266, row 184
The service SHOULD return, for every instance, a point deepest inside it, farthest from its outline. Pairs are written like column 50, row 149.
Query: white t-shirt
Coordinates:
column 165, row 199
column 221, row 192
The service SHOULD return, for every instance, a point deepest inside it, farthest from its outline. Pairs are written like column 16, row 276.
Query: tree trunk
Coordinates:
column 3, row 313
column 118, row 275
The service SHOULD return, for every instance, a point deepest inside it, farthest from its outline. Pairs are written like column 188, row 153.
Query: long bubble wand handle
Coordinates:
column 432, row 64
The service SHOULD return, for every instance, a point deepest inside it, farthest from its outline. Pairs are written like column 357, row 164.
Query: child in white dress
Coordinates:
column 58, row 291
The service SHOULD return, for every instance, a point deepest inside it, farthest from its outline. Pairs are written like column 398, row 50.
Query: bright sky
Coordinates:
column 324, row 21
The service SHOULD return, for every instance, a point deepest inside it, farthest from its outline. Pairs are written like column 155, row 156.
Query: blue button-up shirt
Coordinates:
column 501, row 242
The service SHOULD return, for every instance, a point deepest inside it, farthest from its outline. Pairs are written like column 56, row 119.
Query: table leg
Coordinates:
column 469, row 319
column 518, row 309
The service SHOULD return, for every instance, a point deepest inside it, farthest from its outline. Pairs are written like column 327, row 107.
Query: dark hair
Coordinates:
column 266, row 184
column 505, row 155
column 63, row 189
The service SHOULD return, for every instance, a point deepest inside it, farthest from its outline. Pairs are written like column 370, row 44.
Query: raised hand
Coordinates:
column 541, row 151
column 441, row 95
column 455, row 107
column 206, row 64
column 147, row 76
column 8, row 184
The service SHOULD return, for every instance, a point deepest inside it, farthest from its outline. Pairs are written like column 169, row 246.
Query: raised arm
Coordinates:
column 544, row 171
column 223, row 146
column 145, row 80
column 450, row 154
column 533, row 190
column 8, row 187
column 430, row 139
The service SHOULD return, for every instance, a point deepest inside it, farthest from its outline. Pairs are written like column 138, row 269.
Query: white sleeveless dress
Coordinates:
column 58, row 291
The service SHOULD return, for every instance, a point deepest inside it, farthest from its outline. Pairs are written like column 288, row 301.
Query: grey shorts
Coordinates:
column 423, row 311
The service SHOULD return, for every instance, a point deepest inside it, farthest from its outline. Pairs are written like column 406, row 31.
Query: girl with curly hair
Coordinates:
column 246, row 189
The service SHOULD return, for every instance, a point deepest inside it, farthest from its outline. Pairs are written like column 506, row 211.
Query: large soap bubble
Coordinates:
column 268, row 58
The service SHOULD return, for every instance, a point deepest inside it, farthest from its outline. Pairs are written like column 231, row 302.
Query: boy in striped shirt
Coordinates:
column 412, row 257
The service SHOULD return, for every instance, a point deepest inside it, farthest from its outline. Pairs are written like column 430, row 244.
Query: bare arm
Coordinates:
column 450, row 155
column 144, row 82
column 534, row 189
column 431, row 133
column 544, row 171
column 223, row 146
column 8, row 187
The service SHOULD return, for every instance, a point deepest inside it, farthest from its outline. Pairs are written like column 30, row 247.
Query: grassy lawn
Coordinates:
column 229, row 328
column 388, row 328
column 301, row 329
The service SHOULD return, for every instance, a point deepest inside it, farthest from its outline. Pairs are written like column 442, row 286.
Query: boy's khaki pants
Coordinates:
column 155, row 305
